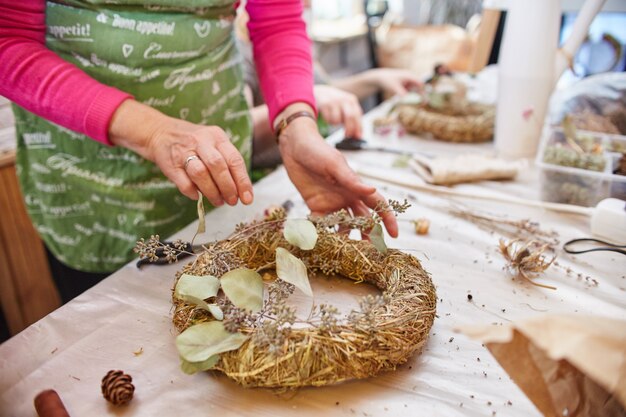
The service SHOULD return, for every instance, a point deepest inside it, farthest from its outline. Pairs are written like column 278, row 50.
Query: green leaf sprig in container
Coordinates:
column 230, row 303
column 573, row 149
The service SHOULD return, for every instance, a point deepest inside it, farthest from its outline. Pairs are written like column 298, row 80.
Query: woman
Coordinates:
column 155, row 81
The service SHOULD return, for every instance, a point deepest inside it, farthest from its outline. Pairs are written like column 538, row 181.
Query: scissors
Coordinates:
column 190, row 249
column 353, row 144
column 592, row 245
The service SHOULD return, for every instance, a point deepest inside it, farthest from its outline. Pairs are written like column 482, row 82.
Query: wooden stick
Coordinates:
column 562, row 208
column 486, row 35
column 49, row 404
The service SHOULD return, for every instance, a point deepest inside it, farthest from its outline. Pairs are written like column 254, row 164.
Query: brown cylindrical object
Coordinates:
column 49, row 404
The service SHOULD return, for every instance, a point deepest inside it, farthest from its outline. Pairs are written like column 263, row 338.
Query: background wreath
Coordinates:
column 473, row 124
column 446, row 113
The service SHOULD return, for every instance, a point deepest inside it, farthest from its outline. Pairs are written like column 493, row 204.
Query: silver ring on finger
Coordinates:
column 190, row 158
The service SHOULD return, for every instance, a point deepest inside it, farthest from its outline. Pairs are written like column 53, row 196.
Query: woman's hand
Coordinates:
column 194, row 157
column 394, row 81
column 322, row 175
column 339, row 107
column 391, row 81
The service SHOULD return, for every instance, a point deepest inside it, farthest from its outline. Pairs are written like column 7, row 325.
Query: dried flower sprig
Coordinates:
column 234, row 318
column 395, row 206
column 153, row 250
column 344, row 219
column 364, row 318
column 521, row 229
column 272, row 332
column 329, row 322
column 526, row 259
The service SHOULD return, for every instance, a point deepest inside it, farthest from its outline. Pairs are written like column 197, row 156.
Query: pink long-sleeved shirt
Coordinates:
column 40, row 81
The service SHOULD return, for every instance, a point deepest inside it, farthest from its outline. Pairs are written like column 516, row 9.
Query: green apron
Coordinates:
column 89, row 202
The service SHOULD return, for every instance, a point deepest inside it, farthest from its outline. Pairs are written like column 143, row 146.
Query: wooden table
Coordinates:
column 124, row 322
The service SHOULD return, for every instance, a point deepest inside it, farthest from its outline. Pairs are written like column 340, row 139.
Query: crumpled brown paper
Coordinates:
column 568, row 365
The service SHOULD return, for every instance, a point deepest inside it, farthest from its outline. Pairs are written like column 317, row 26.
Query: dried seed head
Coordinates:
column 526, row 259
column 421, row 226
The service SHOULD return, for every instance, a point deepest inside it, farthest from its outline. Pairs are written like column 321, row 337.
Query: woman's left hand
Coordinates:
column 323, row 177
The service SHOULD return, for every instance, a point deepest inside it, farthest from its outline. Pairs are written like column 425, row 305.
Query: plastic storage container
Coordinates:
column 570, row 175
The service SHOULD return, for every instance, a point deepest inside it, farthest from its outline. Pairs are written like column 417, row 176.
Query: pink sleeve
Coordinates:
column 40, row 81
column 282, row 53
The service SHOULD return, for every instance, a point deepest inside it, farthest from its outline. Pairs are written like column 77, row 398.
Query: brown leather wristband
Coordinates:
column 285, row 122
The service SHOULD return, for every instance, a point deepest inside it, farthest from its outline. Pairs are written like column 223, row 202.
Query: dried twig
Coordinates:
column 520, row 229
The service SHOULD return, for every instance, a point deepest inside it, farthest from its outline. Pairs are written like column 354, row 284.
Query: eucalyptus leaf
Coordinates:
column 401, row 161
column 244, row 288
column 292, row 270
column 214, row 309
column 437, row 100
column 201, row 341
column 201, row 287
column 300, row 233
column 377, row 238
column 201, row 219
column 191, row 368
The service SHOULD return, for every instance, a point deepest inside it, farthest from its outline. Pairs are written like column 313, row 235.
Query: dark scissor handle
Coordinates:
column 162, row 257
column 351, row 144
column 354, row 144
column 567, row 247
column 188, row 249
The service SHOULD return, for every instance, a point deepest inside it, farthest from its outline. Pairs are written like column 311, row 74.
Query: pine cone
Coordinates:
column 117, row 387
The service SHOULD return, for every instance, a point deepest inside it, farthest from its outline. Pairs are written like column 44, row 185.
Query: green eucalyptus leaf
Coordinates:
column 292, row 270
column 401, row 161
column 244, row 288
column 191, row 368
column 437, row 100
column 300, row 233
column 216, row 311
column 201, row 287
column 201, row 219
column 201, row 341
column 377, row 238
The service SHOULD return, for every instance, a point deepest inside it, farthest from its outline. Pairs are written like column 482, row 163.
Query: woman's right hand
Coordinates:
column 194, row 157
column 322, row 175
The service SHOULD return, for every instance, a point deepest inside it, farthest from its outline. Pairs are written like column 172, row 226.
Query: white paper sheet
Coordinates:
column 73, row 348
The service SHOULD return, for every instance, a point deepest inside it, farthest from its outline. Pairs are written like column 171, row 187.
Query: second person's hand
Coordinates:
column 339, row 107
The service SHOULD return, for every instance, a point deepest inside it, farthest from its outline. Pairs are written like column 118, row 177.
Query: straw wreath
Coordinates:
column 446, row 113
column 473, row 122
column 266, row 345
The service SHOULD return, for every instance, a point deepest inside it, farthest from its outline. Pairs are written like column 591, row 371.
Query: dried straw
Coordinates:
column 313, row 356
